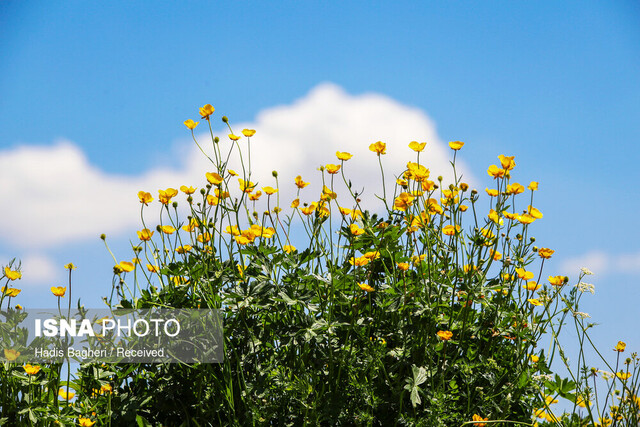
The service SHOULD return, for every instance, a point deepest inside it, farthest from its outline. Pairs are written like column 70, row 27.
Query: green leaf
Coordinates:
column 142, row 422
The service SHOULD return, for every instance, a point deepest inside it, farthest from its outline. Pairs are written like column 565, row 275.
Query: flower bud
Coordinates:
column 203, row 191
column 174, row 204
column 464, row 186
column 440, row 178
column 274, row 174
column 532, row 239
column 225, row 119
column 103, row 236
column 216, row 139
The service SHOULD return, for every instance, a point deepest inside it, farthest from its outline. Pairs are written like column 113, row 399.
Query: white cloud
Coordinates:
column 36, row 268
column 57, row 196
column 601, row 263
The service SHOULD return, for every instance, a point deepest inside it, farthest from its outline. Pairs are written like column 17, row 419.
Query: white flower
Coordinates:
column 543, row 377
column 581, row 314
column 586, row 271
column 586, row 287
column 606, row 375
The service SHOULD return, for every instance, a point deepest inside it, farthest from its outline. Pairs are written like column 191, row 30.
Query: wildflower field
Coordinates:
column 432, row 308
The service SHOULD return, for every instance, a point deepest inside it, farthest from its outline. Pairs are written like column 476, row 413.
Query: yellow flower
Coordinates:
column 456, row 145
column 213, row 178
column 332, row 169
column 70, row 266
column 557, row 280
column 270, row 190
column 243, row 240
column 191, row 124
column 152, row 268
column 526, row 218
column 85, row 422
column 477, row 417
column 403, row 201
column 493, row 216
column 582, row 402
column 300, row 183
column 222, row 194
column 11, row 274
column 11, row 354
column 187, row 190
column 18, row 307
column 495, row 171
column 233, row 137
column 58, row 291
column 295, row 203
column 469, row 267
column 378, row 147
column 372, row 255
column 523, row 274
column 355, row 230
column 620, row 346
column 191, row 226
column 233, row 230
column 11, row 292
column 492, row 192
column 232, row 172
column 31, row 369
column 531, row 286
column 359, row 262
column 418, row 172
column 167, row 229
column 534, row 358
column 165, row 196
column 203, row 238
column 444, row 335
column 145, row 234
column 183, row 249
column 289, row 248
column 344, row 156
column 126, row 266
column 450, row 230
column 623, row 375
column 507, row 162
column 246, row 186
column 533, row 186
column 328, row 194
column 550, row 400
column 255, row 196
column 515, row 188
column 417, row 146
column 248, row 132
column 404, row 266
column 535, row 212
column 309, row 209
column 495, row 254
column 366, row 287
column 106, row 388
column 145, row 197
column 63, row 394
column 534, row 301
column 206, row 111
column 545, row 253
column 179, row 281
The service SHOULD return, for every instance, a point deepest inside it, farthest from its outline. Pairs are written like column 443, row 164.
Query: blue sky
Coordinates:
column 554, row 83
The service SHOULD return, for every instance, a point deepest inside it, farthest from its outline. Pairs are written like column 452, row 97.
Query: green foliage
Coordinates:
column 424, row 314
